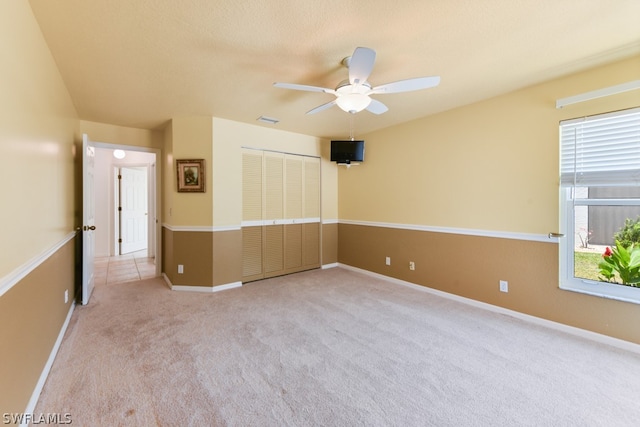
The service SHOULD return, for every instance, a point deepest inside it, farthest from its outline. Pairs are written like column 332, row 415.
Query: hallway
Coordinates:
column 124, row 268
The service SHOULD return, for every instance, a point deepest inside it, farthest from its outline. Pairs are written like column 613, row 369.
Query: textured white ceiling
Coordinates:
column 141, row 62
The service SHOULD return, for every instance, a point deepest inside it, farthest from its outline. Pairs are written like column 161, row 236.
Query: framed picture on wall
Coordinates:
column 191, row 175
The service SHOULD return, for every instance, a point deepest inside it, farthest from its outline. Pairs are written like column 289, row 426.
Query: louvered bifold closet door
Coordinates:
column 293, row 213
column 281, row 214
column 311, row 228
column 274, row 264
column 252, row 206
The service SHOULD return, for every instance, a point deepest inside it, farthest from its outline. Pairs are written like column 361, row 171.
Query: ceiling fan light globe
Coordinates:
column 353, row 102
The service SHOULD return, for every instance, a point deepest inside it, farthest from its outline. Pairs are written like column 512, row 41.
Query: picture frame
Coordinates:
column 191, row 175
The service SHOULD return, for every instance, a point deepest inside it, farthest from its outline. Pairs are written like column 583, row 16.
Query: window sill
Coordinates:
column 603, row 290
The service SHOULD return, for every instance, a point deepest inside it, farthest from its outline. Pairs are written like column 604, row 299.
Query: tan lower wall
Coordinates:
column 227, row 257
column 209, row 258
column 329, row 244
column 472, row 267
column 168, row 264
column 191, row 249
column 32, row 314
column 215, row 258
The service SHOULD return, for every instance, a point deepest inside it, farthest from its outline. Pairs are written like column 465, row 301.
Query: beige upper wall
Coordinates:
column 120, row 135
column 228, row 139
column 492, row 165
column 190, row 139
column 168, row 172
column 38, row 124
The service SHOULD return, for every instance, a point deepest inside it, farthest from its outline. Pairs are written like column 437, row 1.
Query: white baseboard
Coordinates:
column 47, row 367
column 326, row 266
column 167, row 280
column 208, row 289
column 583, row 333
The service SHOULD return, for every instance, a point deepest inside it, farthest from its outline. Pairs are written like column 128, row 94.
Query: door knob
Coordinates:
column 89, row 227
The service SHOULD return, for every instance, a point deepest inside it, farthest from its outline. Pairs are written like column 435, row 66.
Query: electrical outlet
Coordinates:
column 180, row 269
column 66, row 296
column 387, row 261
column 412, row 265
column 504, row 286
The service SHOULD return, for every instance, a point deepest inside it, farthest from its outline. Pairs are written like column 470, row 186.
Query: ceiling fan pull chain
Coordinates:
column 351, row 116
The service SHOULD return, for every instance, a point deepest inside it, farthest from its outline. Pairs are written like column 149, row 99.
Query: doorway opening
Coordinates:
column 127, row 207
column 131, row 209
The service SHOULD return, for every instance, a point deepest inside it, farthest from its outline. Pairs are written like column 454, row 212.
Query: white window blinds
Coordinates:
column 601, row 150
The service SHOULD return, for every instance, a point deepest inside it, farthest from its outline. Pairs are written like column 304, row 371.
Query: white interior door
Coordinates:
column 88, row 217
column 134, row 216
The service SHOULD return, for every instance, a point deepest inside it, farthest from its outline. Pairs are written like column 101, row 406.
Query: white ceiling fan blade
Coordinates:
column 322, row 107
column 407, row 85
column 306, row 88
column 377, row 107
column 361, row 65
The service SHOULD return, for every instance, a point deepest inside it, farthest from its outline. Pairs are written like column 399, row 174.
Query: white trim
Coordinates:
column 327, row 266
column 607, row 91
column 602, row 289
column 567, row 280
column 217, row 228
column 31, row 406
column 11, row 279
column 281, row 221
column 246, row 147
column 226, row 286
column 255, row 223
column 545, row 238
column 167, row 280
column 329, row 221
column 306, row 220
column 207, row 289
column 188, row 227
column 110, row 146
column 583, row 333
column 202, row 228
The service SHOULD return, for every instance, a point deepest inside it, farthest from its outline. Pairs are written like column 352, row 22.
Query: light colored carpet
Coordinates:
column 327, row 348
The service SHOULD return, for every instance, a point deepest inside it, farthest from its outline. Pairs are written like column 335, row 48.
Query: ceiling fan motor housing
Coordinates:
column 353, row 98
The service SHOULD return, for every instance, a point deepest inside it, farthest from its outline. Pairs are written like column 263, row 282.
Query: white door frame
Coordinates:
column 88, row 217
column 117, row 231
column 155, row 236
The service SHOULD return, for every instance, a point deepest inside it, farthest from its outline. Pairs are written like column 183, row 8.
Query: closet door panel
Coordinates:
column 293, row 248
column 311, row 230
column 273, row 214
column 311, row 248
column 312, row 188
column 274, row 186
column 252, row 205
column 252, row 243
column 252, row 183
column 274, row 250
column 294, row 185
column 293, row 188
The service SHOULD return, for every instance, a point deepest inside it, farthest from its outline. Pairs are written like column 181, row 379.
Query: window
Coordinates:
column 599, row 194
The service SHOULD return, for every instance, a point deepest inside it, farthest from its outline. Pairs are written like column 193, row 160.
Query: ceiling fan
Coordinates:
column 353, row 94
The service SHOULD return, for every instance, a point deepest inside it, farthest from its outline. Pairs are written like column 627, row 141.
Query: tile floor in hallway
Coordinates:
column 124, row 268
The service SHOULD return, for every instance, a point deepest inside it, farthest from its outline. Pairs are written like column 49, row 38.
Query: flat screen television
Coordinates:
column 347, row 151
